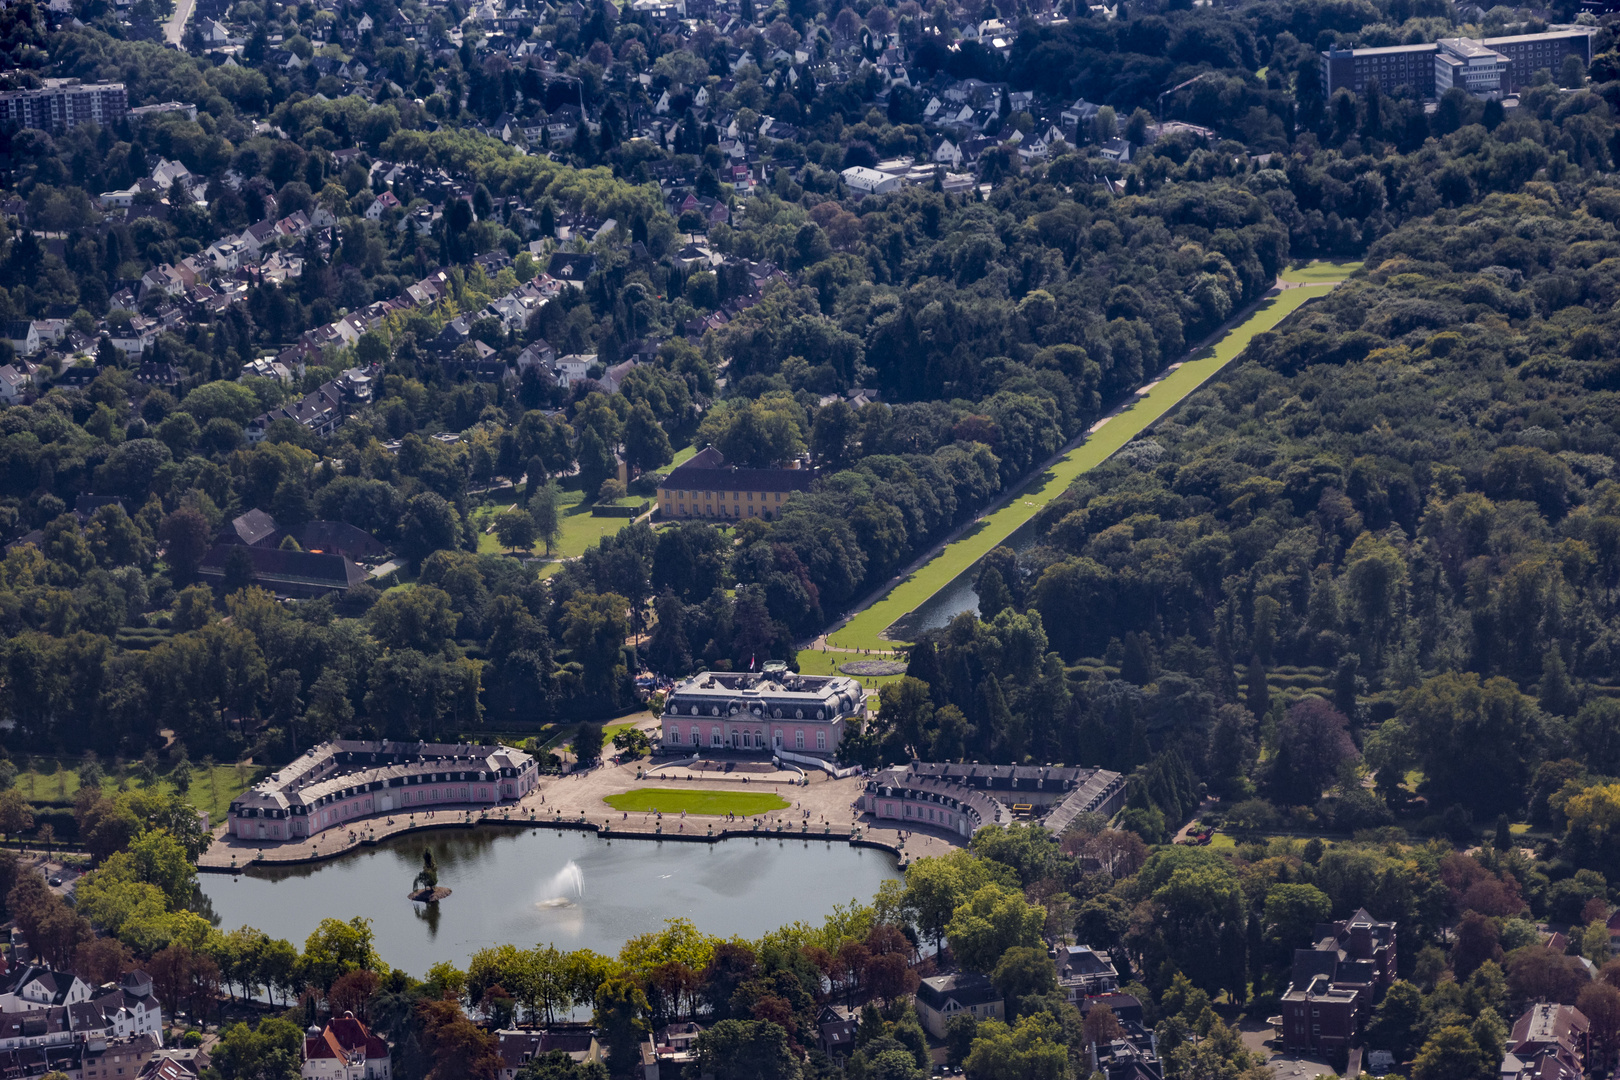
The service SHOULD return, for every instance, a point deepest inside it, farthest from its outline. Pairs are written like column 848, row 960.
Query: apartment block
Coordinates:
column 62, row 104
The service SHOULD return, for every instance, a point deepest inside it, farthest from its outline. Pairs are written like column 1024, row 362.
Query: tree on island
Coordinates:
column 427, row 880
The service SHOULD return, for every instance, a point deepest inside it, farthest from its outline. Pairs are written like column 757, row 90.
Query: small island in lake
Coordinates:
column 427, row 881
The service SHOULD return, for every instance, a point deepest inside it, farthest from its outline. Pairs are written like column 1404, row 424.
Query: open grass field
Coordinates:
column 579, row 528
column 1320, row 272
column 711, row 803
column 865, row 629
column 210, row 792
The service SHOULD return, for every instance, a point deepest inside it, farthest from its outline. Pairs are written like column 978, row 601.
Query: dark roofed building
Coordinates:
column 1082, row 971
column 943, row 996
column 86, row 504
column 518, row 1047
column 569, row 266
column 299, row 575
column 707, row 487
column 1127, row 1008
column 339, row 537
column 1331, row 993
column 253, row 528
column 838, row 1025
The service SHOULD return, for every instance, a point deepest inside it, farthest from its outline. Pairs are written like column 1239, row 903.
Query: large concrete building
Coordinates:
column 776, row 710
column 344, row 780
column 1486, row 68
column 63, row 103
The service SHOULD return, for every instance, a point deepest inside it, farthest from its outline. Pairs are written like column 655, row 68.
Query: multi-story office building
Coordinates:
column 1487, row 68
column 62, row 104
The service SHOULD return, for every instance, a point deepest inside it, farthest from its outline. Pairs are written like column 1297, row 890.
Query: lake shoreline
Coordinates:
column 602, row 833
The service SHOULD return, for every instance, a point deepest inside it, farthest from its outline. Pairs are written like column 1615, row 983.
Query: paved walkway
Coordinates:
column 819, row 804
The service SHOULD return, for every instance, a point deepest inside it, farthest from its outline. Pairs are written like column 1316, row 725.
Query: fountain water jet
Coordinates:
column 565, row 888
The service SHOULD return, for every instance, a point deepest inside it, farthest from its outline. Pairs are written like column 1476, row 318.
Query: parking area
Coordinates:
column 1260, row 1038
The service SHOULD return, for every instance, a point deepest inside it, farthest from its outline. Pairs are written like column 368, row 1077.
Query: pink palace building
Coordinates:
column 776, row 710
column 340, row 781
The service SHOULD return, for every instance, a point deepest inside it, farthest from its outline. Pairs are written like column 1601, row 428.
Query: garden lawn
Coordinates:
column 1319, row 272
column 710, row 803
column 816, row 662
column 865, row 629
column 579, row 530
column 212, row 794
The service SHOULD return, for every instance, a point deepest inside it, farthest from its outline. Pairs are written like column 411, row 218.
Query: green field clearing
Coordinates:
column 579, row 528
column 1320, row 272
column 212, row 793
column 865, row 630
column 711, row 803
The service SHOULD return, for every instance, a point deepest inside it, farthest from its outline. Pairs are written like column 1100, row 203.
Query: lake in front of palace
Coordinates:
column 539, row 885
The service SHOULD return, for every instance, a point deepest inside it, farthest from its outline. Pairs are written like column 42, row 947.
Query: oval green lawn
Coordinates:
column 713, row 803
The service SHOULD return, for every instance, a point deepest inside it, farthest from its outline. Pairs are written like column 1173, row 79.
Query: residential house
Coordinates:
column 381, row 205
column 1549, row 1042
column 943, row 996
column 1164, row 130
column 320, row 412
column 537, row 354
column 836, row 1026
column 345, row 1050
column 137, row 337
column 517, row 1047
column 142, row 1057
column 612, row 379
column 266, row 369
column 24, row 336
column 670, row 1050
column 1083, row 972
column 695, row 256
column 572, row 267
column 1116, row 150
column 14, row 383
column 152, row 373
column 75, row 1013
column 34, row 988
column 573, row 368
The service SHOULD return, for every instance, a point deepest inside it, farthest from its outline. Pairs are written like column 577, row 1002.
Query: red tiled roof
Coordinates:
column 342, row 1036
